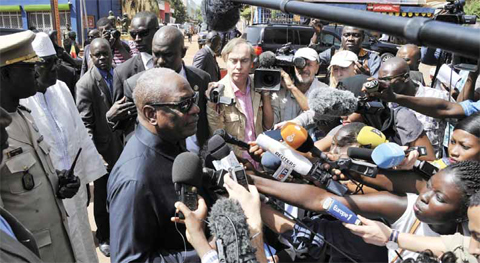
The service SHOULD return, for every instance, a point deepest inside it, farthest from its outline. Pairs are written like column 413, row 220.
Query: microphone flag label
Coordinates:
column 340, row 212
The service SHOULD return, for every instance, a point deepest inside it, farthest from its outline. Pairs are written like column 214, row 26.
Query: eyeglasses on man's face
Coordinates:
column 183, row 106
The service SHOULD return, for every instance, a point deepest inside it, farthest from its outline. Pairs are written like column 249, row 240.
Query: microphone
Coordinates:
column 297, row 137
column 270, row 162
column 385, row 156
column 187, row 177
column 331, row 103
column 220, row 15
column 301, row 165
column 227, row 222
column 266, row 59
column 371, row 137
column 231, row 139
column 340, row 211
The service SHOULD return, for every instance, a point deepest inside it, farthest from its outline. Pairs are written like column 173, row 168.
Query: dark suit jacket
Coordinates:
column 94, row 99
column 124, row 71
column 68, row 75
column 24, row 249
column 205, row 61
column 198, row 80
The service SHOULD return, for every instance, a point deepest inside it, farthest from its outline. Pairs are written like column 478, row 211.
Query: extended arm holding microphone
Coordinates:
column 309, row 197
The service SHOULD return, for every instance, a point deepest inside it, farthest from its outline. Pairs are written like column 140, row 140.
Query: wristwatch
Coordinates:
column 393, row 240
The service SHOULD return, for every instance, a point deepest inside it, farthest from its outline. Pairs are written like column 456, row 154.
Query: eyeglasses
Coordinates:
column 390, row 78
column 183, row 106
column 142, row 34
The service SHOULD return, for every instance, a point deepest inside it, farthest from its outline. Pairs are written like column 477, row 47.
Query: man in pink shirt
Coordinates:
column 252, row 112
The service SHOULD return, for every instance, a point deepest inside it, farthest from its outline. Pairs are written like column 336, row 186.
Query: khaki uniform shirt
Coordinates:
column 28, row 185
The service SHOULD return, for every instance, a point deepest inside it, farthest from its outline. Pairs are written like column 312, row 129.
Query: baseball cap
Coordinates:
column 343, row 59
column 307, row 53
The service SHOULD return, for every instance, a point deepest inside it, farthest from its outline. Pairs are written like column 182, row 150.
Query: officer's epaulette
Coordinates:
column 21, row 107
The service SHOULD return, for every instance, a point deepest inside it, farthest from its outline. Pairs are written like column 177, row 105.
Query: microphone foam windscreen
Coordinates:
column 220, row 15
column 329, row 102
column 270, row 161
column 266, row 59
column 370, row 136
column 217, row 147
column 296, row 137
column 187, row 169
column 227, row 214
column 388, row 155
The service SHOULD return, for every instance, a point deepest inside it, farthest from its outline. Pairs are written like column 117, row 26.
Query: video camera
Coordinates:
column 453, row 13
column 216, row 96
column 113, row 33
column 268, row 76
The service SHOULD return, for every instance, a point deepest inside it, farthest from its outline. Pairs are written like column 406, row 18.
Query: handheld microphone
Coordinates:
column 385, row 156
column 371, row 137
column 220, row 15
column 301, row 165
column 270, row 162
column 340, row 211
column 187, row 177
column 227, row 222
column 297, row 137
column 231, row 139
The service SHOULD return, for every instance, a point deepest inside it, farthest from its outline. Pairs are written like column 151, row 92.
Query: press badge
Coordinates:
column 27, row 181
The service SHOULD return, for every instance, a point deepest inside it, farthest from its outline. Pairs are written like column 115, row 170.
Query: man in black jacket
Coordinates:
column 205, row 59
column 95, row 96
column 168, row 51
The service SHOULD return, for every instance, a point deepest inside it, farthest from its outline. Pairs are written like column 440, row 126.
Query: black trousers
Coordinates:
column 100, row 208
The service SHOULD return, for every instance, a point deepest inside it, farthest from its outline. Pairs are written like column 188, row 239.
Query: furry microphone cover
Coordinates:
column 329, row 102
column 221, row 227
column 220, row 15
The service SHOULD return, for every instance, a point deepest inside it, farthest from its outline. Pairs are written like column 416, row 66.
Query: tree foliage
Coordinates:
column 180, row 13
column 472, row 7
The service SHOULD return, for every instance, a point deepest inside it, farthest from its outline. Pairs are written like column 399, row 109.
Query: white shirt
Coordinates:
column 192, row 142
column 404, row 224
column 59, row 122
column 147, row 60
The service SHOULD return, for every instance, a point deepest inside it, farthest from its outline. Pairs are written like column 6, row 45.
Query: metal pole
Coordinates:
column 421, row 31
column 56, row 20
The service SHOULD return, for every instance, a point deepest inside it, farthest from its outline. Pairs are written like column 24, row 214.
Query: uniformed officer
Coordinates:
column 30, row 188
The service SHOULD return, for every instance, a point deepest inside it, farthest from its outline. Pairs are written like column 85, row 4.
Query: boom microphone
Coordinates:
column 227, row 222
column 329, row 102
column 220, row 15
column 231, row 139
column 187, row 177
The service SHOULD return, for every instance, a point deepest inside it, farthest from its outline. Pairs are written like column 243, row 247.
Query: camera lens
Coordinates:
column 269, row 80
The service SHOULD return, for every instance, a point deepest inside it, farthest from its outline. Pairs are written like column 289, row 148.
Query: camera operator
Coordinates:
column 352, row 38
column 291, row 100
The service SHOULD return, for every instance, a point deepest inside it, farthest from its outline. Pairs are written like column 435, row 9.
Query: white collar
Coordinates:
column 147, row 60
column 183, row 73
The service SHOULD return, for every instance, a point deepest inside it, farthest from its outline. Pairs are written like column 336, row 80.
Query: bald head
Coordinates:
column 168, row 48
column 169, row 34
column 157, row 85
column 101, row 54
column 411, row 54
column 393, row 66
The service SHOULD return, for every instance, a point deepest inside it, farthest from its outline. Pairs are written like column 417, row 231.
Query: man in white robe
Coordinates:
column 58, row 120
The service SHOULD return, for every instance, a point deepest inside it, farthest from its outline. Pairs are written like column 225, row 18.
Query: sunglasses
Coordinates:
column 183, row 106
column 386, row 79
column 141, row 34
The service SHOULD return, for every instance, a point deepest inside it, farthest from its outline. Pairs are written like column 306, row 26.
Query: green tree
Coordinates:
column 246, row 13
column 472, row 7
column 198, row 14
column 180, row 12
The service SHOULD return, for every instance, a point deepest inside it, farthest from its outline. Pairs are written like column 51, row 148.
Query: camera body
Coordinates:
column 453, row 13
column 216, row 96
column 268, row 76
column 113, row 33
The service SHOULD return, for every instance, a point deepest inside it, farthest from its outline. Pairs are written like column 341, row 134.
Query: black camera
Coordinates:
column 216, row 97
column 268, row 76
column 453, row 13
column 113, row 33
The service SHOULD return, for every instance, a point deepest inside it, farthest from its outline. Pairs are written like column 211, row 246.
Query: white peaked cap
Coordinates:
column 43, row 46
